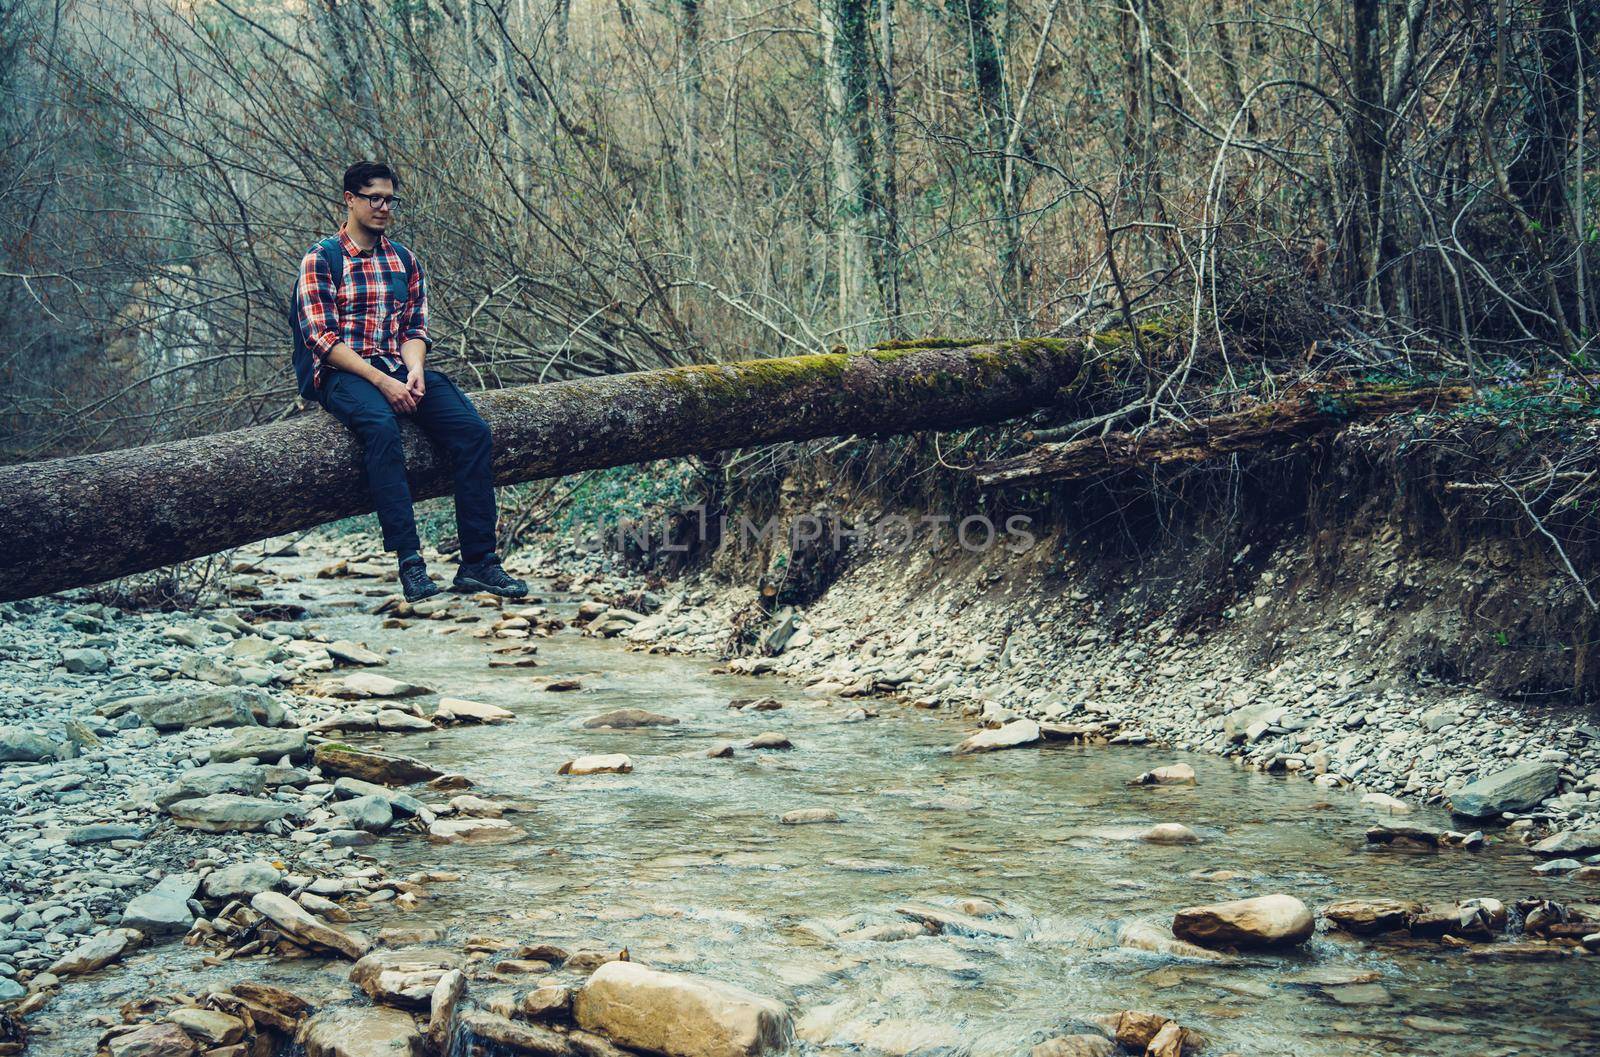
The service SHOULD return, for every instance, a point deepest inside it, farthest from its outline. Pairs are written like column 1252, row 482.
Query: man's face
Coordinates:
column 376, row 217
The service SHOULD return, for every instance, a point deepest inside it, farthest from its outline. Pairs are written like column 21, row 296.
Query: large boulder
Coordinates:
column 371, row 684
column 1262, row 921
column 1584, row 841
column 680, row 1014
column 267, row 745
column 97, row 952
column 219, row 708
column 361, row 1031
column 369, row 765
column 241, row 880
column 21, row 745
column 1010, row 736
column 405, row 977
column 164, row 910
column 400, row 803
column 163, row 1039
column 240, row 779
column 374, row 814
column 304, row 928
column 227, row 813
column 1517, row 788
column 1367, row 916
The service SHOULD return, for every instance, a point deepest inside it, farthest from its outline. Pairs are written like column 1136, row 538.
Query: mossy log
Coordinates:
column 1306, row 414
column 85, row 519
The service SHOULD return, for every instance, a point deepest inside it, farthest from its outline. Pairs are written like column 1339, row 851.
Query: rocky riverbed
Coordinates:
column 321, row 814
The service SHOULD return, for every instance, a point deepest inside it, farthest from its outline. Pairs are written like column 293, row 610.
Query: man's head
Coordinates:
column 369, row 195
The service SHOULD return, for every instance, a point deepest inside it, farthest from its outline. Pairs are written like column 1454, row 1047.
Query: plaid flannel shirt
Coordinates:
column 374, row 311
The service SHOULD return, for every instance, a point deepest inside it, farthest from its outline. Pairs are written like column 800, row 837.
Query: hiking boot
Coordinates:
column 488, row 575
column 414, row 580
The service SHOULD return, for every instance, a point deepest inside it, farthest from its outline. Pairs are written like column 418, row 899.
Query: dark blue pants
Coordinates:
column 449, row 418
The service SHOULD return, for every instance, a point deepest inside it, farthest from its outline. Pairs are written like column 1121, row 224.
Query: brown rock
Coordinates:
column 1075, row 1046
column 1135, row 1028
column 443, row 1009
column 1363, row 917
column 680, row 1014
column 404, row 977
column 369, row 765
column 361, row 1031
column 152, row 1040
column 517, row 1038
column 300, row 926
column 1263, row 921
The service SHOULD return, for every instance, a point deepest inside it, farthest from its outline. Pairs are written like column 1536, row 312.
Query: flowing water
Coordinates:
column 684, row 862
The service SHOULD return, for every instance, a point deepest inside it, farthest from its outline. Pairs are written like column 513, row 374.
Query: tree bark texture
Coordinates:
column 85, row 519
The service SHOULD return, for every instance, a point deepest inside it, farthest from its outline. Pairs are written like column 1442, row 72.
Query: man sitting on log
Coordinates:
column 361, row 334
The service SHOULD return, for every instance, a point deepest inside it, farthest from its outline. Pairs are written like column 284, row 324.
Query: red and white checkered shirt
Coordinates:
column 374, row 311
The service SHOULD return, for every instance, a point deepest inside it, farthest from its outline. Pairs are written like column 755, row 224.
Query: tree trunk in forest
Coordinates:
column 844, row 29
column 80, row 520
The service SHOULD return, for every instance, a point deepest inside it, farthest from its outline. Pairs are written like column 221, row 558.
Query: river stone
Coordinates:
column 344, row 651
column 303, row 928
column 241, row 779
column 400, row 803
column 370, row 765
column 1262, row 921
column 443, row 1006
column 163, row 1039
column 1236, row 724
column 1075, row 1046
column 100, row 832
column 371, row 684
column 164, row 910
column 1364, row 917
column 1172, row 774
column 370, row 813
column 1011, row 735
column 97, row 952
column 211, row 1027
column 241, row 880
column 394, row 719
column 220, row 708
column 460, row 710
column 227, row 813
column 1135, row 1028
column 1143, row 936
column 606, row 763
column 505, row 1036
column 805, row 816
column 404, row 977
column 88, row 660
column 1572, row 842
column 1385, row 802
column 630, row 718
column 21, row 745
column 266, row 744
column 680, row 1014
column 475, row 831
column 1516, row 788
column 1170, row 833
column 361, row 1031
column 943, row 919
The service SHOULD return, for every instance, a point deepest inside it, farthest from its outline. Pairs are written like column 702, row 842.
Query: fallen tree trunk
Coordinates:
column 1273, row 424
column 81, row 520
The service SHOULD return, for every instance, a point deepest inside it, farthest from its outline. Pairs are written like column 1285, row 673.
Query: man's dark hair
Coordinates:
column 364, row 172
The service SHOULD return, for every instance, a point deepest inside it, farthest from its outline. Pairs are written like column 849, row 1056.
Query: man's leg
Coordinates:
column 455, row 425
column 357, row 403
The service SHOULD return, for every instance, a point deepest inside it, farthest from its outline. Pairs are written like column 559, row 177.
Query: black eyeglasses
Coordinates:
column 379, row 201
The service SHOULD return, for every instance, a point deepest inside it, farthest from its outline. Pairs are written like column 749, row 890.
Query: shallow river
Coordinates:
column 684, row 862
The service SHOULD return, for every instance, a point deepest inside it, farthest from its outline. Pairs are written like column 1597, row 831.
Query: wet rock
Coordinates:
column 1403, row 836
column 1075, row 1046
column 588, row 961
column 1385, row 802
column 219, row 708
column 605, row 763
column 551, row 1003
column 1262, row 921
column 1135, row 1028
column 272, row 1007
column 400, row 803
column 468, row 806
column 1470, row 919
column 679, row 1014
column 404, row 977
column 164, row 909
column 241, row 881
column 1172, row 774
column 809, row 815
column 360, row 1031
column 475, row 831
column 502, row 1034
column 559, row 686
column 21, row 745
column 1517, row 788
column 370, row 684
column 1143, row 936
column 235, row 778
column 460, row 710
column 1364, row 917
column 394, row 719
column 629, row 719
column 769, row 740
column 1011, row 735
column 152, row 1040
column 299, row 925
column 227, row 813
column 370, row 765
column 373, row 814
column 1571, row 842
column 1170, row 833
column 353, row 653
column 943, row 919
column 266, row 744
column 98, row 952
column 444, row 1009
column 209, row 1026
